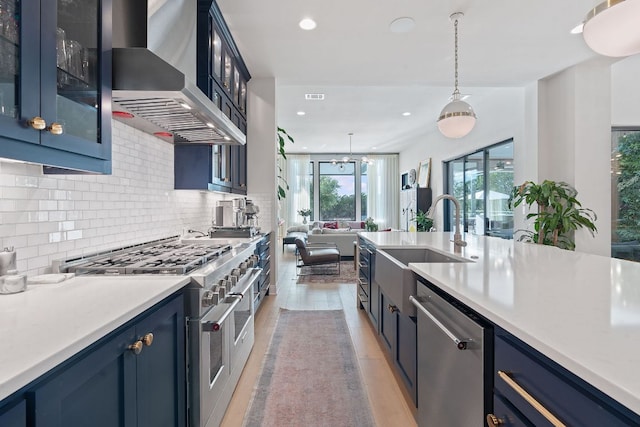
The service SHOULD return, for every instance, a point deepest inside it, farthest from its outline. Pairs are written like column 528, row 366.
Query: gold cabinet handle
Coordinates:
column 147, row 339
column 493, row 421
column 136, row 347
column 55, row 128
column 37, row 123
column 392, row 308
column 530, row 399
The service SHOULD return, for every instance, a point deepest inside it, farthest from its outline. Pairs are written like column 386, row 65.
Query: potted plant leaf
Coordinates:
column 281, row 191
column 423, row 222
column 304, row 213
column 558, row 215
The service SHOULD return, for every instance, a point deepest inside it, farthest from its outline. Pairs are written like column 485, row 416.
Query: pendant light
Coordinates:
column 612, row 29
column 349, row 158
column 457, row 117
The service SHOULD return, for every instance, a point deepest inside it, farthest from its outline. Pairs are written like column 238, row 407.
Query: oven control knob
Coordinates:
column 251, row 262
column 209, row 298
column 243, row 267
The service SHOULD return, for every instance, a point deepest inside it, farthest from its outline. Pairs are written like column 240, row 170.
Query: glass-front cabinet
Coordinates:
column 55, row 83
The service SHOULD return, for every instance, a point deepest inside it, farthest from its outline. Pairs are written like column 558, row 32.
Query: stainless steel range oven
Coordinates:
column 218, row 302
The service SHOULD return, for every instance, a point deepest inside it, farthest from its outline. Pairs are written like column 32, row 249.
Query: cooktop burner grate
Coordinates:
column 164, row 258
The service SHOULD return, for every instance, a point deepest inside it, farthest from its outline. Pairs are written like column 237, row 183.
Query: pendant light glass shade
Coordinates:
column 457, row 118
column 612, row 28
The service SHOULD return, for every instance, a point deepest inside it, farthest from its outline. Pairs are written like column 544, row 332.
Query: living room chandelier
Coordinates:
column 347, row 159
column 457, row 117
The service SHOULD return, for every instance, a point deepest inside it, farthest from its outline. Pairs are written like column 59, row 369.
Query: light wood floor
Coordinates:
column 390, row 406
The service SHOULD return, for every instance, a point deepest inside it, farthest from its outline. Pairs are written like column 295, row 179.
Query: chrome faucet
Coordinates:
column 457, row 237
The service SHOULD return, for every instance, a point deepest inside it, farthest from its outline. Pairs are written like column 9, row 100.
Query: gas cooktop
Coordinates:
column 167, row 257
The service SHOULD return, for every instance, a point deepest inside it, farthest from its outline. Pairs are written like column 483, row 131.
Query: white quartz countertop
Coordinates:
column 47, row 324
column 580, row 310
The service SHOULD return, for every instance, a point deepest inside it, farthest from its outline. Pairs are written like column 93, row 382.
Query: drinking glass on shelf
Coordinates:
column 74, row 58
column 8, row 21
column 61, row 56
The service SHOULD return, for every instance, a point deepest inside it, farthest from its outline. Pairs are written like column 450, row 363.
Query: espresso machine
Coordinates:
column 235, row 218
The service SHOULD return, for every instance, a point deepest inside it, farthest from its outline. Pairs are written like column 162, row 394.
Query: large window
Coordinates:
column 364, row 190
column 625, row 194
column 337, row 192
column 482, row 182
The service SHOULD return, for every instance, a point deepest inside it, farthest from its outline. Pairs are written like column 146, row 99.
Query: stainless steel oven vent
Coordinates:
column 175, row 120
column 154, row 74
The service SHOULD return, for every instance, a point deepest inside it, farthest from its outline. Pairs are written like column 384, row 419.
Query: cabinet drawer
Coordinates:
column 506, row 414
column 564, row 395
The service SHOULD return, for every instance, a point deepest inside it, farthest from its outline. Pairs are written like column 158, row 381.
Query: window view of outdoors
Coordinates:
column 337, row 191
column 625, row 194
column 484, row 202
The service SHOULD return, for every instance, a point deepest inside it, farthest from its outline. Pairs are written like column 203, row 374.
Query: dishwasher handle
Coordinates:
column 460, row 343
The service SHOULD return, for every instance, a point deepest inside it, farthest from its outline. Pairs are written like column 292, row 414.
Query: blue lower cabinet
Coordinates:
column 14, row 414
column 133, row 377
column 506, row 415
column 568, row 398
column 399, row 335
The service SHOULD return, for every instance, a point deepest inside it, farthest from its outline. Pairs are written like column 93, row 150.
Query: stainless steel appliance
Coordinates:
column 224, row 214
column 219, row 307
column 154, row 74
column 454, row 364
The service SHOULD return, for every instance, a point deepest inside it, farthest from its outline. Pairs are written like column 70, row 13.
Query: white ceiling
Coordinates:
column 370, row 76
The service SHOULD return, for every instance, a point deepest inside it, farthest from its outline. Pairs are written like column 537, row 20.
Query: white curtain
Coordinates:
column 298, row 169
column 384, row 191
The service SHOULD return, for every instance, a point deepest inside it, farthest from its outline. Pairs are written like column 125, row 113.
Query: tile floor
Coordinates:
column 390, row 405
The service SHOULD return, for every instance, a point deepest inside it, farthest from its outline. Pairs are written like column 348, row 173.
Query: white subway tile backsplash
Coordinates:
column 50, row 217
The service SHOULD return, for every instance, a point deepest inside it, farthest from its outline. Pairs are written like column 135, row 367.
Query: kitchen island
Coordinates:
column 579, row 310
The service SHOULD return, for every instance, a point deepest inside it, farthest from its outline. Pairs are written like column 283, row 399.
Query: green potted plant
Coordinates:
column 304, row 213
column 558, row 215
column 281, row 192
column 423, row 222
column 369, row 225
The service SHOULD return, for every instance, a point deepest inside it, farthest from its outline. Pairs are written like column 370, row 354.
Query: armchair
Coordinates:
column 311, row 255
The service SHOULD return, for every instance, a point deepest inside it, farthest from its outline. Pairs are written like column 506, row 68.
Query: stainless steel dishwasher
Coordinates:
column 454, row 362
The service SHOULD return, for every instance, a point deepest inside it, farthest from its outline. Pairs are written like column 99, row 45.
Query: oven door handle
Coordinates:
column 255, row 272
column 216, row 325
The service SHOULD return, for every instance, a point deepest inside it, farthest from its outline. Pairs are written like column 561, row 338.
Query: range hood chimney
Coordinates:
column 154, row 74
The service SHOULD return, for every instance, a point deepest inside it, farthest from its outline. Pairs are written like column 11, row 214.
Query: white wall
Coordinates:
column 625, row 92
column 261, row 160
column 500, row 117
column 49, row 217
column 575, row 142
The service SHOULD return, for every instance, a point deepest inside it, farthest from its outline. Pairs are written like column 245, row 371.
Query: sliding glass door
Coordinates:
column 482, row 182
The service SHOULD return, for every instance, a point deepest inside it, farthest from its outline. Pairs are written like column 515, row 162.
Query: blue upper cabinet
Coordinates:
column 55, row 83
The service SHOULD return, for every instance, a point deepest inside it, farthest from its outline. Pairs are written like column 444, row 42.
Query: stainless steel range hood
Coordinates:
column 154, row 74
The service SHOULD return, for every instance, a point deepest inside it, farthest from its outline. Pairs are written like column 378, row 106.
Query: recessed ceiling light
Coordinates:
column 577, row 29
column 185, row 106
column 211, row 125
column 301, row 113
column 307, row 24
column 374, row 148
column 304, row 148
column 406, row 113
column 402, row 25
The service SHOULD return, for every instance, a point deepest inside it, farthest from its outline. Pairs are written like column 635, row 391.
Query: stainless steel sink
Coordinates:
column 396, row 280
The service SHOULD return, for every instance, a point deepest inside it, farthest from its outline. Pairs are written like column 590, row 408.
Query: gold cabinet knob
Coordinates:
column 493, row 421
column 392, row 308
column 147, row 339
column 136, row 347
column 55, row 128
column 37, row 123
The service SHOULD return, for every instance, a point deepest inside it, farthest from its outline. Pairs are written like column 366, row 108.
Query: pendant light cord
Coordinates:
column 455, row 26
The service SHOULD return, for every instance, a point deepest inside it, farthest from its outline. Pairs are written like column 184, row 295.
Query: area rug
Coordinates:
column 310, row 375
column 324, row 274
